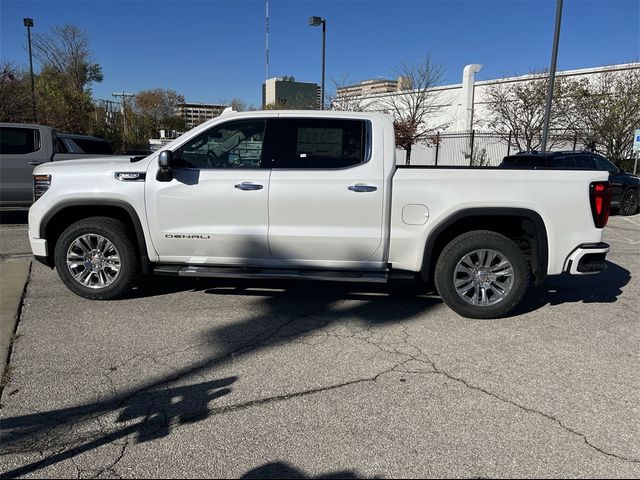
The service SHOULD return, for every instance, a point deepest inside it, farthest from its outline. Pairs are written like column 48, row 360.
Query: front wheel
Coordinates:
column 96, row 259
column 482, row 274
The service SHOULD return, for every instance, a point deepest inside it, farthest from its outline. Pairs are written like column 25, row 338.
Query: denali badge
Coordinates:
column 203, row 237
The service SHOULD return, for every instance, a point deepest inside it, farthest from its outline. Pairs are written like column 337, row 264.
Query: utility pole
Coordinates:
column 28, row 22
column 123, row 109
column 267, row 39
column 552, row 76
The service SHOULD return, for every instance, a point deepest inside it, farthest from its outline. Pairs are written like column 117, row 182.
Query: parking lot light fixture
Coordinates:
column 316, row 22
column 28, row 22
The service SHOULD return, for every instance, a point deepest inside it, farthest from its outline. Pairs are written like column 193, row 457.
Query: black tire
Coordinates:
column 450, row 268
column 115, row 232
column 629, row 204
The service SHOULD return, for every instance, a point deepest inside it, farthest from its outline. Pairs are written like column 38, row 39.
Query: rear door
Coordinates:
column 326, row 194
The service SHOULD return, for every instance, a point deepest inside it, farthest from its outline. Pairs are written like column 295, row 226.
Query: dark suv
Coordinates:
column 626, row 187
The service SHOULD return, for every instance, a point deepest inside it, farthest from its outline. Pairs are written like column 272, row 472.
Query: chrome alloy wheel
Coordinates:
column 483, row 277
column 93, row 261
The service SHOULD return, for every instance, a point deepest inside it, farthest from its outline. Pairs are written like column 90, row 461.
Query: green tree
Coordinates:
column 606, row 111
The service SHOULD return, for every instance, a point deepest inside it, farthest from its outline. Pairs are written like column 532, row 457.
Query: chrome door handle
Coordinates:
column 248, row 186
column 34, row 162
column 361, row 187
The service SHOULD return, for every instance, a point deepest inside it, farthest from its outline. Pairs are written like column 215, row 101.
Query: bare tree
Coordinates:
column 606, row 112
column 63, row 85
column 238, row 105
column 417, row 105
column 518, row 108
column 66, row 50
column 341, row 98
column 156, row 109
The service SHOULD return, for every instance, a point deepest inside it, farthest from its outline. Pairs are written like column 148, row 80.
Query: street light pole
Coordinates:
column 552, row 76
column 314, row 22
column 28, row 22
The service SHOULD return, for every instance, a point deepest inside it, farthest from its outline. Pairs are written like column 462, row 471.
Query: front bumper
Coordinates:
column 38, row 247
column 587, row 259
column 40, row 251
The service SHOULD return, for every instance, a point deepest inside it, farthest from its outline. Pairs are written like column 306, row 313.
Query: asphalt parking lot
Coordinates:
column 273, row 379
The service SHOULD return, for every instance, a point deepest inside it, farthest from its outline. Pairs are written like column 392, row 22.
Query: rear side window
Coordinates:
column 88, row 145
column 584, row 162
column 563, row 162
column 603, row 164
column 19, row 141
column 61, row 147
column 320, row 143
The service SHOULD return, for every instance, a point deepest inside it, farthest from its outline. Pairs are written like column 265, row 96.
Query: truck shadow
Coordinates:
column 284, row 311
column 605, row 287
column 286, row 470
column 152, row 409
column 146, row 416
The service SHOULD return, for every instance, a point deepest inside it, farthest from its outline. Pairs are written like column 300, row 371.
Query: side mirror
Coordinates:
column 165, row 170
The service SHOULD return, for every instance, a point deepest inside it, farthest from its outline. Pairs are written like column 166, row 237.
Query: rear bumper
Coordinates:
column 587, row 258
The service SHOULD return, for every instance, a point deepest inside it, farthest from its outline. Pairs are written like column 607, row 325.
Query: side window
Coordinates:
column 230, row 145
column 583, row 162
column 605, row 165
column 19, row 141
column 563, row 162
column 60, row 146
column 321, row 143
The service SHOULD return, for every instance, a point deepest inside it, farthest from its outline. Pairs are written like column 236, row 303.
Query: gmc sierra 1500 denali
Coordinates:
column 314, row 195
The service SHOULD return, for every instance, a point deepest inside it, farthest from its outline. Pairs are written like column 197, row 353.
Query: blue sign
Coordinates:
column 636, row 141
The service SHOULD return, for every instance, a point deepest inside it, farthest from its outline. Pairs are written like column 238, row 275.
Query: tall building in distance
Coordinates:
column 197, row 113
column 286, row 93
column 373, row 87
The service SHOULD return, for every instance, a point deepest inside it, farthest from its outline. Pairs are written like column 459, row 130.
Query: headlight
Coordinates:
column 41, row 184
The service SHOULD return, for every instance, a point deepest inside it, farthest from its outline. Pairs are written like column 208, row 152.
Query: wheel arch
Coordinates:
column 526, row 227
column 65, row 213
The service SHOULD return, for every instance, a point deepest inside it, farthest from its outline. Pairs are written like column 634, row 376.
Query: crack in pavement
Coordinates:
column 524, row 408
column 264, row 338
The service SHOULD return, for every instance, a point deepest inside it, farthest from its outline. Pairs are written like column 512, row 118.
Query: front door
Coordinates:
column 214, row 210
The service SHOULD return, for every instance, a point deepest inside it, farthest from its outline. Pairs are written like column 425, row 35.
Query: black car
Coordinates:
column 74, row 143
column 626, row 187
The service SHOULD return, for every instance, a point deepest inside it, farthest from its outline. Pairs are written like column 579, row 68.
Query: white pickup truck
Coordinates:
column 314, row 195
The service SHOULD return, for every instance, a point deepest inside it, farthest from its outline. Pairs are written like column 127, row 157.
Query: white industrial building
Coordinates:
column 463, row 108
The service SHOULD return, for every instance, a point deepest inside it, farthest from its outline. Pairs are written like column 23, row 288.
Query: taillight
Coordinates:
column 600, row 196
column 41, row 184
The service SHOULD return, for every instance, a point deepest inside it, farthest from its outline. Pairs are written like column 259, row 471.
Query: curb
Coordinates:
column 14, row 277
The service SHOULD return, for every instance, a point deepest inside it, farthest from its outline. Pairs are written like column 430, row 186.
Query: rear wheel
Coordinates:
column 96, row 259
column 482, row 274
column 629, row 204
